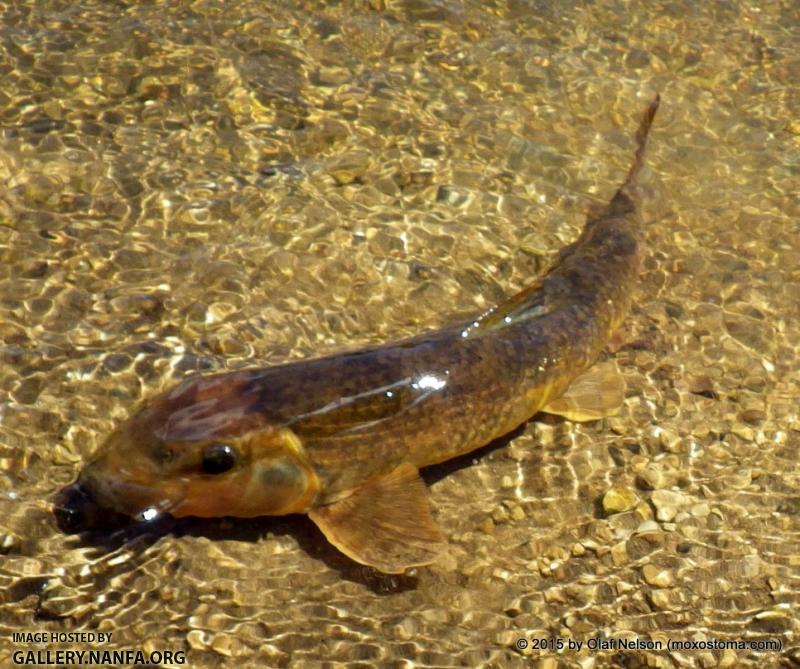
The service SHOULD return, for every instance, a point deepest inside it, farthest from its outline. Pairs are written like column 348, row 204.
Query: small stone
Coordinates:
column 500, row 515
column 217, row 312
column 472, row 568
column 657, row 475
column 777, row 612
column 644, row 511
column 223, row 644
column 667, row 504
column 659, row 599
column 648, row 526
column 197, row 640
column 701, row 385
column 616, row 425
column 700, row 510
column 406, row 629
column 487, row 526
column 670, row 441
column 554, row 596
column 349, row 167
column 7, row 542
column 741, row 479
column 744, row 431
column 619, row 553
column 753, row 416
column 657, row 577
column 619, row 499
column 706, row 659
column 453, row 196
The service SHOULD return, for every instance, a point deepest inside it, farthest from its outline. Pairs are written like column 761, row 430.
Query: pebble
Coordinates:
column 777, row 612
column 744, row 431
column 657, row 577
column 648, row 526
column 670, row 440
column 616, row 425
column 644, row 511
column 706, row 659
column 659, row 599
column 619, row 499
column 7, row 542
column 656, row 475
column 667, row 503
column 223, row 644
column 619, row 553
column 741, row 479
column 197, row 640
column 753, row 416
column 701, row 385
column 500, row 515
column 349, row 167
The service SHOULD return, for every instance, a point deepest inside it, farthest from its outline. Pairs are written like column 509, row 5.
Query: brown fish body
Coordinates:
column 342, row 437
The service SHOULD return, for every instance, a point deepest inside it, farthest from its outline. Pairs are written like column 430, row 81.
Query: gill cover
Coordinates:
column 271, row 476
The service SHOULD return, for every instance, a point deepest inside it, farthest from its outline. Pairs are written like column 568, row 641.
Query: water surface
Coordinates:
column 201, row 186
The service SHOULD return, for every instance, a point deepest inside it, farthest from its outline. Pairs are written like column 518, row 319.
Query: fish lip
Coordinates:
column 127, row 497
column 74, row 508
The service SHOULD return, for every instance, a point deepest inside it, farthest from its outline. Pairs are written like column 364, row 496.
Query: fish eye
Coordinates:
column 218, row 459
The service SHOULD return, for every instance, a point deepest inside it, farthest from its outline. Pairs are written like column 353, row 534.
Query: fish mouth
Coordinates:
column 76, row 510
column 95, row 502
column 130, row 497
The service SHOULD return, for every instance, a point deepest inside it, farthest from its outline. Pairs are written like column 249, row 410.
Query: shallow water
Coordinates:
column 197, row 186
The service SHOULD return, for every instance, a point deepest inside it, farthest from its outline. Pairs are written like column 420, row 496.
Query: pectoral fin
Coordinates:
column 598, row 392
column 386, row 523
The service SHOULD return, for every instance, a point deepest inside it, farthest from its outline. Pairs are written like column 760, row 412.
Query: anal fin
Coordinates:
column 595, row 394
column 385, row 523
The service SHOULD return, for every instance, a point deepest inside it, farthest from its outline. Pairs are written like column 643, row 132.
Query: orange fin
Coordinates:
column 386, row 523
column 598, row 392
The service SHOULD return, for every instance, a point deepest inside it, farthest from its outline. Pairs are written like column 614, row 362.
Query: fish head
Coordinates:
column 202, row 449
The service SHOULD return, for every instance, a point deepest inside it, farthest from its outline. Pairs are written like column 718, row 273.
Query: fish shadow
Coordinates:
column 120, row 533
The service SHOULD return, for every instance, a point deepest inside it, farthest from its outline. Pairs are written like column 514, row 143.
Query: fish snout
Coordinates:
column 95, row 501
column 76, row 510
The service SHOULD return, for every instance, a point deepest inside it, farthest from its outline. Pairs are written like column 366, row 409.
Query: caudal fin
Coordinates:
column 623, row 200
column 641, row 139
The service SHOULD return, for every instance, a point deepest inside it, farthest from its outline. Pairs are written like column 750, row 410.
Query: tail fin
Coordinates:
column 622, row 201
column 641, row 139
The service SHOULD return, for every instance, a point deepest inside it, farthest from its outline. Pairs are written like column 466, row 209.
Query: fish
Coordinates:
column 342, row 438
